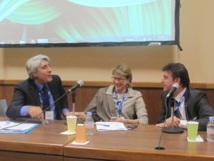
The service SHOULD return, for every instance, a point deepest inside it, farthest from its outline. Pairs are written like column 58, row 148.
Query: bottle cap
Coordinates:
column 89, row 113
column 211, row 118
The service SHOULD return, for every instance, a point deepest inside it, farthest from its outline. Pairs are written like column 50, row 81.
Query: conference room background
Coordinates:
column 93, row 64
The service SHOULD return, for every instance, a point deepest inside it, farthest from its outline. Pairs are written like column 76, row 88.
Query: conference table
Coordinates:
column 45, row 143
column 139, row 145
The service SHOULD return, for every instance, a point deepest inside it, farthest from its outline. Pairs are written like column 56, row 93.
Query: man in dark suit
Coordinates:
column 191, row 104
column 30, row 100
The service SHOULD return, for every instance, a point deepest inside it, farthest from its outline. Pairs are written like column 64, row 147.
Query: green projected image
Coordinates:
column 67, row 22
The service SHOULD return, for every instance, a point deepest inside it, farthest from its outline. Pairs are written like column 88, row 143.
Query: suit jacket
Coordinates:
column 196, row 106
column 26, row 93
column 103, row 107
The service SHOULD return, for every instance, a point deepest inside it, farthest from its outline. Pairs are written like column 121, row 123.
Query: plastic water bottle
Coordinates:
column 210, row 129
column 89, row 124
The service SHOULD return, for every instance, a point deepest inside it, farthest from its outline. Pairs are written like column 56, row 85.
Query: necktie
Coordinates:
column 177, row 112
column 45, row 98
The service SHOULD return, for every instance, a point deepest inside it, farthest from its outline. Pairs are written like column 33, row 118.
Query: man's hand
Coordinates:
column 35, row 112
column 169, row 122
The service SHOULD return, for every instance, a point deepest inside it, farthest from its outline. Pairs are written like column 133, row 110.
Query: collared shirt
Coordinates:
column 51, row 100
column 182, row 105
column 119, row 100
column 110, row 91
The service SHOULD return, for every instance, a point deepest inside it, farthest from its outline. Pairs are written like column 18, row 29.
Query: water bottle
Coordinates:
column 210, row 129
column 89, row 124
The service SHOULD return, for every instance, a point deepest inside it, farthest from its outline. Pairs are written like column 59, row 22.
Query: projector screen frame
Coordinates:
column 109, row 44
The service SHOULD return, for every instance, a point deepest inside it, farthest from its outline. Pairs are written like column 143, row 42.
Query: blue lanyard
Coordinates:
column 180, row 101
column 120, row 103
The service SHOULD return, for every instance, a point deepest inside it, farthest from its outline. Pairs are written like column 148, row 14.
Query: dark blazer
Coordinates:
column 26, row 93
column 196, row 106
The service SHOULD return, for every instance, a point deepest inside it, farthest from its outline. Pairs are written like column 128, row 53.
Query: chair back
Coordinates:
column 3, row 107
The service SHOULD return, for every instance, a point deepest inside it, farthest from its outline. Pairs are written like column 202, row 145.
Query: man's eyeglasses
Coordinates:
column 118, row 79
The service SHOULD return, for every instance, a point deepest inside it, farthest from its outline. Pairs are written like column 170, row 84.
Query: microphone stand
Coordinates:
column 172, row 129
column 73, row 94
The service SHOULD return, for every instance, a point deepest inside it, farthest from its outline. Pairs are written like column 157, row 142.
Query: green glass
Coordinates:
column 192, row 130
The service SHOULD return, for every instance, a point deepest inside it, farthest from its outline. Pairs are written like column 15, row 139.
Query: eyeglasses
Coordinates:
column 118, row 79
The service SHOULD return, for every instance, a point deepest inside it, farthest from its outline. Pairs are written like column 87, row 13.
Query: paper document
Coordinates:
column 110, row 126
column 13, row 127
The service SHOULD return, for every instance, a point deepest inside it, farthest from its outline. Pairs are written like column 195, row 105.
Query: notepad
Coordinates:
column 110, row 126
column 13, row 127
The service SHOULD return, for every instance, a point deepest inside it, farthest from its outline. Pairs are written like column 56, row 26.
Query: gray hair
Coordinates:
column 33, row 63
column 124, row 70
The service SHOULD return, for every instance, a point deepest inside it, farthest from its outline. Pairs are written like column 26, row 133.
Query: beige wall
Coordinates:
column 92, row 64
column 197, row 38
column 95, row 63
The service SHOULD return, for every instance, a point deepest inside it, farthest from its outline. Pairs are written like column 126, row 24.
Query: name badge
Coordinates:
column 49, row 115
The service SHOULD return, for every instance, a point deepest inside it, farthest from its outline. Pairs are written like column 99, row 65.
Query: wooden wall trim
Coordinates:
column 151, row 93
column 106, row 83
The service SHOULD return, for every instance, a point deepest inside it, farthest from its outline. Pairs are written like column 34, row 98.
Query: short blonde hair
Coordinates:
column 124, row 70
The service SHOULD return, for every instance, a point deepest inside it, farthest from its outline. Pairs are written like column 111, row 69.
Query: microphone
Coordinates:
column 78, row 84
column 172, row 90
column 165, row 129
column 46, row 122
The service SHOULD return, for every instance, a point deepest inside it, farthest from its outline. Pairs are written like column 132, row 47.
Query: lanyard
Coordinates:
column 180, row 101
column 120, row 103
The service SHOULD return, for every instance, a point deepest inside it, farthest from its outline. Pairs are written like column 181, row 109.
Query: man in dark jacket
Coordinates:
column 191, row 104
column 30, row 100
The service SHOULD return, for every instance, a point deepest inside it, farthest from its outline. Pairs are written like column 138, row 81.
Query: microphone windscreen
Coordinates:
column 80, row 82
column 176, row 85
